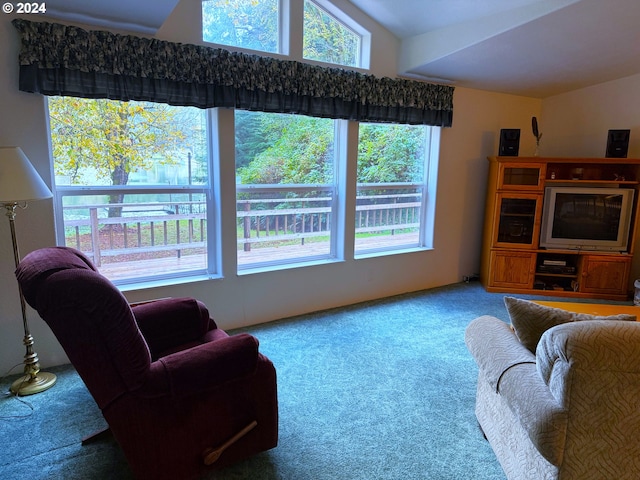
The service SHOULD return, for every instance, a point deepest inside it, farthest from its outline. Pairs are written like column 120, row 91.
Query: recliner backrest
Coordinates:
column 90, row 318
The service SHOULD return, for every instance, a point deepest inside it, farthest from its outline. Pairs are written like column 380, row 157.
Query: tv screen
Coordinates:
column 586, row 218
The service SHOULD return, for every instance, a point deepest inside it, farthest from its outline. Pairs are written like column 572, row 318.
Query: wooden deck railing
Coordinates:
column 162, row 228
column 272, row 225
column 146, row 228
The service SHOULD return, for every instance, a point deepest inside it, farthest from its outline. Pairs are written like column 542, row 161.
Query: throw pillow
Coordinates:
column 530, row 320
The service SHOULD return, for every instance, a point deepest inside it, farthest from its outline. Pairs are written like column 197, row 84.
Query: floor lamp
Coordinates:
column 20, row 183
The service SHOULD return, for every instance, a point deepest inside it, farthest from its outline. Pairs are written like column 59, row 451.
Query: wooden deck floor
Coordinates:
column 121, row 270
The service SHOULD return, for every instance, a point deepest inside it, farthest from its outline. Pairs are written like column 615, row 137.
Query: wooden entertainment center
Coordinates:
column 513, row 260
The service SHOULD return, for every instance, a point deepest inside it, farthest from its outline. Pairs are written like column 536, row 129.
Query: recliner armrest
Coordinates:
column 170, row 322
column 208, row 365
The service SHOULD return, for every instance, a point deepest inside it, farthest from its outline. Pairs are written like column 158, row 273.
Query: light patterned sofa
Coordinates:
column 569, row 411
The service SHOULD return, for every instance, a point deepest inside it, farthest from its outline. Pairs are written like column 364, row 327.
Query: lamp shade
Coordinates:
column 19, row 181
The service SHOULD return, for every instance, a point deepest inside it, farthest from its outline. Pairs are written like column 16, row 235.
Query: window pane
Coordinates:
column 387, row 218
column 391, row 186
column 108, row 142
column 141, row 236
column 280, row 226
column 326, row 39
column 391, row 153
column 144, row 171
column 241, row 23
column 285, row 187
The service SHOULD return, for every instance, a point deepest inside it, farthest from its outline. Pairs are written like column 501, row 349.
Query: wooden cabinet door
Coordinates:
column 605, row 274
column 512, row 269
column 517, row 220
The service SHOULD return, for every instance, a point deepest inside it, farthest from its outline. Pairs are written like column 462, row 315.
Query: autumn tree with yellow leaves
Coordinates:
column 108, row 140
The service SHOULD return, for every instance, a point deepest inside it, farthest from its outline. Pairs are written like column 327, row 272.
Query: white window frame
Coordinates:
column 212, row 209
column 427, row 200
column 336, row 235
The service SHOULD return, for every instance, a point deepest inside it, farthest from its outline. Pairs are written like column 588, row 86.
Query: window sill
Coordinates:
column 166, row 282
column 385, row 253
column 287, row 266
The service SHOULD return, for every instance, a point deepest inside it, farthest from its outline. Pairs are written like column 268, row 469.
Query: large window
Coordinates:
column 392, row 187
column 132, row 186
column 242, row 23
column 286, row 191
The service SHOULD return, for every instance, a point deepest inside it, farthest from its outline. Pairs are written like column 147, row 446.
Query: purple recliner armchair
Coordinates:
column 180, row 396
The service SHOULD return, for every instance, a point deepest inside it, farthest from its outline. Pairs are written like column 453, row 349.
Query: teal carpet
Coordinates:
column 379, row 390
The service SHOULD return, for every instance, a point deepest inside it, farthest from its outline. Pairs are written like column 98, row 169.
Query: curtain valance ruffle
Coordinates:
column 67, row 60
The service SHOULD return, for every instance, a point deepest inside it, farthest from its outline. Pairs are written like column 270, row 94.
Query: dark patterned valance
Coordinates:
column 66, row 60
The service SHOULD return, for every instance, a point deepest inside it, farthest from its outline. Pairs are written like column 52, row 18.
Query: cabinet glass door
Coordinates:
column 518, row 220
column 521, row 176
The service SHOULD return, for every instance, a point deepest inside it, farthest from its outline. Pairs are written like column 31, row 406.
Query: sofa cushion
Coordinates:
column 530, row 320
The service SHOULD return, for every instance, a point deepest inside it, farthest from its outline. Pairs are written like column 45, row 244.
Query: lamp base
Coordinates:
column 26, row 385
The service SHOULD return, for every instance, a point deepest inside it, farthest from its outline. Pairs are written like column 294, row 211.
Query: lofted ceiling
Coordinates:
column 142, row 16
column 535, row 48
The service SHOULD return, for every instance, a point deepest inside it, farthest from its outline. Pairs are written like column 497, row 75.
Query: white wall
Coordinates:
column 248, row 299
column 576, row 123
column 22, row 123
column 478, row 118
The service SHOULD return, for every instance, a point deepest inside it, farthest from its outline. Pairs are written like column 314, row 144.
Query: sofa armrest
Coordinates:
column 510, row 369
column 495, row 348
column 211, row 364
column 538, row 411
column 170, row 322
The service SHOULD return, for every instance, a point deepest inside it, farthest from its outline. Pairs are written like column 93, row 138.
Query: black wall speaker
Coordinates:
column 509, row 142
column 618, row 143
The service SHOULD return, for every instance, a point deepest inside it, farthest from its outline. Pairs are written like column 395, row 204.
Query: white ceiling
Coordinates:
column 535, row 48
column 143, row 16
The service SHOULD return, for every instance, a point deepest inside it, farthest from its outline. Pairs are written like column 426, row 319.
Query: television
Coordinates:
column 586, row 218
